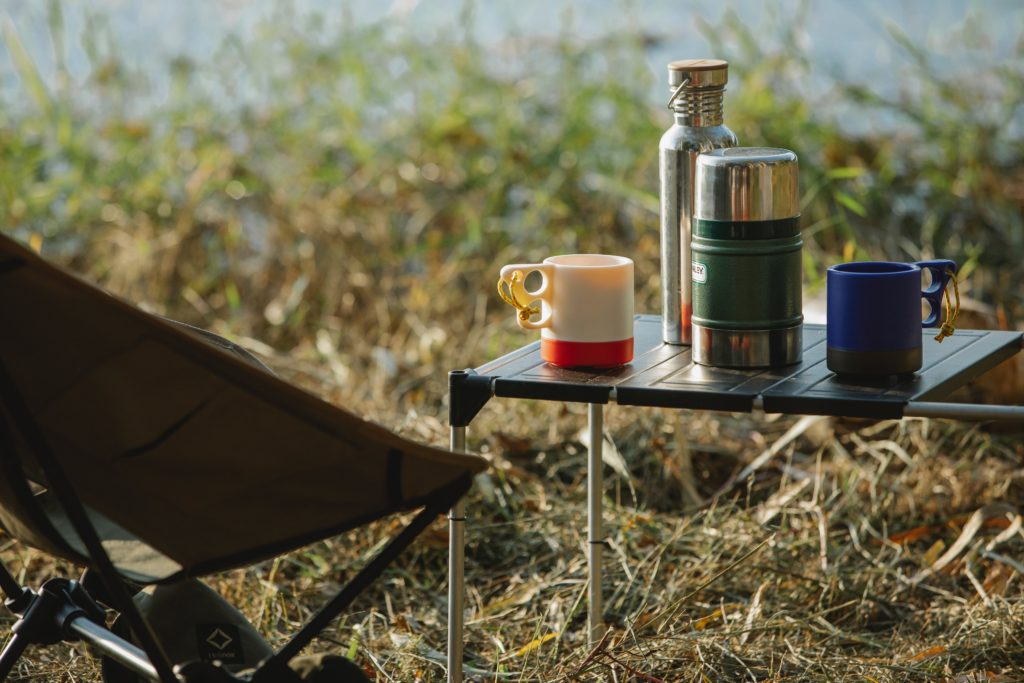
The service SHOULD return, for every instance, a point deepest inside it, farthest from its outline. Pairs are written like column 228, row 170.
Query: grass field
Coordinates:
column 350, row 231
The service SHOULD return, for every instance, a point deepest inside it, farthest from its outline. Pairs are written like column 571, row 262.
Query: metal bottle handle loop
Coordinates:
column 675, row 93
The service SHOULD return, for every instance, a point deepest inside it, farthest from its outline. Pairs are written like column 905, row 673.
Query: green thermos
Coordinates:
column 746, row 258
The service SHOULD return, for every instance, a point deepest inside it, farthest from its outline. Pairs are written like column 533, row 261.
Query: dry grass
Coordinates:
column 814, row 567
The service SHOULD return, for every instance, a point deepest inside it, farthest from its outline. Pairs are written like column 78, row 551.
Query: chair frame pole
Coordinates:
column 10, row 586
column 366, row 575
column 12, row 653
column 115, row 647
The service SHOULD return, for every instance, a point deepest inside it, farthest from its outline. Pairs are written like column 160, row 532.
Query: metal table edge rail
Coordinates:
column 971, row 412
column 964, row 411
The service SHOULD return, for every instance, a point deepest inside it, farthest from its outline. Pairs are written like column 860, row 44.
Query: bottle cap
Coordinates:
column 703, row 73
column 746, row 184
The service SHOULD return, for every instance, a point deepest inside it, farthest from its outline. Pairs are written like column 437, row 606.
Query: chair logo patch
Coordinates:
column 219, row 642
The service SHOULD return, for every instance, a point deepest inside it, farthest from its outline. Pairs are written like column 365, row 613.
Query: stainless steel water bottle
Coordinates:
column 747, row 265
column 697, row 88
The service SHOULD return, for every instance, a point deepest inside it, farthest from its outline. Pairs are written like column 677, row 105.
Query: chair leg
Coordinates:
column 47, row 617
column 39, row 623
column 12, row 653
column 18, row 597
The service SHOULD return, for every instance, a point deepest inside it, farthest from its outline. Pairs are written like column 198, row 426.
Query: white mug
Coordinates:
column 586, row 312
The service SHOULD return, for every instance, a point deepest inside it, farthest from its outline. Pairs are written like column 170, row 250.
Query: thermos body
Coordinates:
column 752, row 283
column 746, row 251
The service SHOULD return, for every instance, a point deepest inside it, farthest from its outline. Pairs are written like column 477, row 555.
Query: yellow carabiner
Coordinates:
column 525, row 310
column 949, row 326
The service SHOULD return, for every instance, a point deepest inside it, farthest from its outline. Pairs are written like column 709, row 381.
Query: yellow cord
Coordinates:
column 525, row 310
column 949, row 327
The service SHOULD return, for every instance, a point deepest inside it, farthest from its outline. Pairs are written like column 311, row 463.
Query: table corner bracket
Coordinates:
column 468, row 393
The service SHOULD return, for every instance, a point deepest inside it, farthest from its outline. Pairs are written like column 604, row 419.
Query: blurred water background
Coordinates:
column 848, row 42
column 341, row 181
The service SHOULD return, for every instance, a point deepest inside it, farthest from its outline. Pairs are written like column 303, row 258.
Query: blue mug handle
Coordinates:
column 941, row 270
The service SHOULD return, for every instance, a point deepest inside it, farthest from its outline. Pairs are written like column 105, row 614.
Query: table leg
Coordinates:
column 595, row 530
column 456, row 576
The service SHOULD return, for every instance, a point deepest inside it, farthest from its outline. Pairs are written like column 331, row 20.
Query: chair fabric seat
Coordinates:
column 190, row 457
column 135, row 559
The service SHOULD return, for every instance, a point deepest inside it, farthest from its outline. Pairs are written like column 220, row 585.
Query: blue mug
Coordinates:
column 874, row 315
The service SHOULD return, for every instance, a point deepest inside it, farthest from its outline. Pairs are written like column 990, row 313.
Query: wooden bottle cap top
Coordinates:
column 701, row 72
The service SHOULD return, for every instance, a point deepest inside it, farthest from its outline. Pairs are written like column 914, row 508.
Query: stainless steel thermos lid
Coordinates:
column 746, row 184
column 702, row 73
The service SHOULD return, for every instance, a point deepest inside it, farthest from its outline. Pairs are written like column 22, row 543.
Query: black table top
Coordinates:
column 664, row 375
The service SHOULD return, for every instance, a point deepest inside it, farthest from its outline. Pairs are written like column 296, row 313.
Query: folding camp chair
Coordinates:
column 153, row 453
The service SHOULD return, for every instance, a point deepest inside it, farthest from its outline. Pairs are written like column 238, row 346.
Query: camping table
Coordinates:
column 664, row 376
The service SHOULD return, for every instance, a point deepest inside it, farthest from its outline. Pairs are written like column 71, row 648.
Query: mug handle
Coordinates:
column 513, row 276
column 941, row 270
